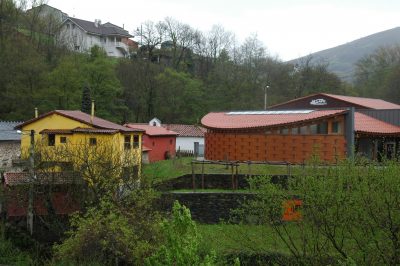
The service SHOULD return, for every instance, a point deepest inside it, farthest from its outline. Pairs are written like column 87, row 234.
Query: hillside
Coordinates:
column 342, row 58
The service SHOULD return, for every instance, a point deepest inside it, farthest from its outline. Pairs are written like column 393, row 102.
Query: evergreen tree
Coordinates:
column 86, row 100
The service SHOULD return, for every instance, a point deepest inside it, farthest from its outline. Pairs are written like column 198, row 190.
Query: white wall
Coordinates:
column 187, row 143
column 75, row 36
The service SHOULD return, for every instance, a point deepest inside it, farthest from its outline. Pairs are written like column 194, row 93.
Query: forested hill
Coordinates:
column 178, row 74
column 342, row 58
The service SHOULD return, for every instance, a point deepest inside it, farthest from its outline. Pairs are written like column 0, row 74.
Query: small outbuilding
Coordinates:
column 10, row 143
column 159, row 142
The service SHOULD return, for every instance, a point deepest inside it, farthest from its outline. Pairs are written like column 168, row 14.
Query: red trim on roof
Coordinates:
column 224, row 121
column 152, row 130
column 364, row 124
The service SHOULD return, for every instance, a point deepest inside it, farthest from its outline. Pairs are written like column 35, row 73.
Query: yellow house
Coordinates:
column 58, row 129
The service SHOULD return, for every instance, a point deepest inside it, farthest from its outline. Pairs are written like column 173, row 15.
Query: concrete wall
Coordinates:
column 9, row 150
column 187, row 143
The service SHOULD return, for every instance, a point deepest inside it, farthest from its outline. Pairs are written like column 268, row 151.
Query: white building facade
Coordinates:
column 81, row 35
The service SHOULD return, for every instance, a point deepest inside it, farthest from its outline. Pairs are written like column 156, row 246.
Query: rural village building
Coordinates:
column 158, row 142
column 10, row 143
column 81, row 35
column 77, row 131
column 190, row 138
column 323, row 125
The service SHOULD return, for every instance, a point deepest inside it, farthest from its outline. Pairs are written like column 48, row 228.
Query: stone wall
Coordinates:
column 205, row 207
column 9, row 150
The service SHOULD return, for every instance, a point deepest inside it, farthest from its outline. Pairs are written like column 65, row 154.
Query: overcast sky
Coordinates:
column 288, row 28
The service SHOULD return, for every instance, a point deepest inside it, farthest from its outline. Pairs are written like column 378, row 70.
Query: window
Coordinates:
column 295, row 131
column 73, row 26
column 154, row 144
column 77, row 47
column 284, row 131
column 313, row 129
column 304, row 130
column 136, row 141
column 322, row 128
column 118, row 39
column 63, row 140
column 336, row 127
column 92, row 141
column 68, row 26
column 170, row 141
column 154, row 124
column 51, row 139
column 127, row 142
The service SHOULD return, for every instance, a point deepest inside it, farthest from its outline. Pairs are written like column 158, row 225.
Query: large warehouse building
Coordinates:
column 324, row 125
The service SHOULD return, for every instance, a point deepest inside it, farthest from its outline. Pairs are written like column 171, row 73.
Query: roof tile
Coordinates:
column 186, row 130
column 240, row 121
column 369, row 125
column 152, row 130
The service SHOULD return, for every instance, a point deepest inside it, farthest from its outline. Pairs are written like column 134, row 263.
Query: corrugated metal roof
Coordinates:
column 86, row 119
column 364, row 124
column 7, row 131
column 186, row 130
column 366, row 102
column 152, row 130
column 225, row 121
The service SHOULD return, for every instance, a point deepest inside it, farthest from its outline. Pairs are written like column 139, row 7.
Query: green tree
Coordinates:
column 123, row 231
column 86, row 100
column 350, row 212
column 180, row 241
column 178, row 97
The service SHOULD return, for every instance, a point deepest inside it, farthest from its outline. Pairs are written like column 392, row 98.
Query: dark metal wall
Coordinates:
column 391, row 116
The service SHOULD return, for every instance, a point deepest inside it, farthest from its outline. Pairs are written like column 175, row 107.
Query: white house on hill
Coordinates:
column 81, row 35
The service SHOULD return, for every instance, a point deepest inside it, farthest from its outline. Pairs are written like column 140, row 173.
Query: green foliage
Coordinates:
column 11, row 255
column 86, row 100
column 179, row 97
column 349, row 211
column 181, row 241
column 124, row 231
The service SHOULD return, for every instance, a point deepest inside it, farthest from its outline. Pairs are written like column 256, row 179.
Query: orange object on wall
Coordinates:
column 291, row 210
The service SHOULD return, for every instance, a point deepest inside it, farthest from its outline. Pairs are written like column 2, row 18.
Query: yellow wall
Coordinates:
column 56, row 121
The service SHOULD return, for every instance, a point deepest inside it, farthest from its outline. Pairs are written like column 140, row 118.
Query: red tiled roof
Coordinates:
column 186, row 130
column 365, row 102
column 240, row 121
column 21, row 178
column 84, row 118
column 152, row 130
column 365, row 124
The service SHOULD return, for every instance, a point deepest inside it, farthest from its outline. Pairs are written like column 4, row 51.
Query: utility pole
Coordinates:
column 265, row 96
column 29, row 215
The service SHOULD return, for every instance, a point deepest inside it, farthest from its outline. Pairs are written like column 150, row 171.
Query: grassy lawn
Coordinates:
column 224, row 238
column 170, row 169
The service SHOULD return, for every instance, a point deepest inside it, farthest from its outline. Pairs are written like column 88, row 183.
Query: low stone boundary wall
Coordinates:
column 205, row 207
